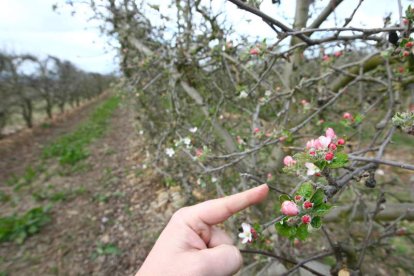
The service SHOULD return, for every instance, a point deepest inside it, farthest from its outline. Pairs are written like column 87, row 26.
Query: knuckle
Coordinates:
column 180, row 214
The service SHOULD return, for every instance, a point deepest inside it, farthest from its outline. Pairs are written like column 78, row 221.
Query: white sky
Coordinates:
column 30, row 26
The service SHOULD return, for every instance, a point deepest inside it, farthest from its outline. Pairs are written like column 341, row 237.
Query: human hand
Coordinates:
column 190, row 244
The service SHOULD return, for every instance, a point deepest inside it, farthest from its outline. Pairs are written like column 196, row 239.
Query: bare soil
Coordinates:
column 118, row 204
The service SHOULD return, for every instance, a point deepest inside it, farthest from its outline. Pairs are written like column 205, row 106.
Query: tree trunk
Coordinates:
column 49, row 107
column 27, row 112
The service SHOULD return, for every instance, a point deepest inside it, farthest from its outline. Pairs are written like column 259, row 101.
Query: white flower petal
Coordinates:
column 170, row 152
column 246, row 227
column 243, row 95
column 325, row 141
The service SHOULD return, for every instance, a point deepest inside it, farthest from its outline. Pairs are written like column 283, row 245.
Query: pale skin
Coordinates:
column 191, row 244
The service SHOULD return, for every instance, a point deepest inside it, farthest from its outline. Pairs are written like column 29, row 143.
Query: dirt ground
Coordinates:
column 103, row 227
column 115, row 205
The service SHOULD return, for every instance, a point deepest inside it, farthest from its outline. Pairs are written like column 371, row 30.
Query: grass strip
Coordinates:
column 72, row 148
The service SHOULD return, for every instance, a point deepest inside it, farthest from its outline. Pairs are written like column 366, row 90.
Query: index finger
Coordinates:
column 218, row 210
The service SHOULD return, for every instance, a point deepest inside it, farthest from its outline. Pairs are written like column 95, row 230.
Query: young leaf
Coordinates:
column 302, row 232
column 306, row 190
column 322, row 209
column 283, row 198
column 339, row 161
column 316, row 222
column 285, row 230
column 318, row 197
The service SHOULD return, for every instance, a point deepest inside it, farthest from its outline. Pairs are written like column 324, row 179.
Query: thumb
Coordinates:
column 224, row 259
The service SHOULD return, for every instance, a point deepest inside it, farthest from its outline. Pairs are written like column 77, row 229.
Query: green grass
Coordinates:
column 103, row 249
column 71, row 148
column 17, row 228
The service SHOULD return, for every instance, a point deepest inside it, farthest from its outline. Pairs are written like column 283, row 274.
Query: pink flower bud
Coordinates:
column 307, row 205
column 254, row 233
column 409, row 44
column 256, row 130
column 298, row 197
column 338, row 54
column 325, row 58
column 289, row 161
column 289, row 208
column 406, row 53
column 306, row 219
column 254, row 51
column 347, row 116
column 330, row 133
column 329, row 156
column 269, row 176
column 405, row 21
column 341, row 142
column 332, row 146
column 312, row 153
column 199, row 152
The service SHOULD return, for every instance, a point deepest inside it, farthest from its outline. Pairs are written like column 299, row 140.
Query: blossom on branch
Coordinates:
column 289, row 208
column 289, row 161
column 246, row 234
column 170, row 152
column 312, row 169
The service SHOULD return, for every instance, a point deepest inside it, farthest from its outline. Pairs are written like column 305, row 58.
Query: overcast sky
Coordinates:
column 31, row 26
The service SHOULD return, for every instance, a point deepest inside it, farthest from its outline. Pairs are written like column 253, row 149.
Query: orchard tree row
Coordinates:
column 27, row 81
column 322, row 112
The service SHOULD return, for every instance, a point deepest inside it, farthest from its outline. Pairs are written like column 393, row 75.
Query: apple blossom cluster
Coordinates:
column 302, row 213
column 187, row 144
column 323, row 152
column 406, row 43
column 327, row 58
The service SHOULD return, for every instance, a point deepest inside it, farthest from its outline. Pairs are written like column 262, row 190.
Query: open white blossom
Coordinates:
column 187, row 142
column 213, row 179
column 325, row 141
column 170, row 152
column 193, row 129
column 243, row 95
column 268, row 93
column 312, row 169
column 246, row 235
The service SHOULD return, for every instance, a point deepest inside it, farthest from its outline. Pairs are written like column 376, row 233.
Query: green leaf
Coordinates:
column 340, row 160
column 306, row 190
column 283, row 198
column 403, row 42
column 358, row 118
column 318, row 197
column 302, row 232
column 284, row 230
column 322, row 209
column 112, row 249
column 316, row 222
column 321, row 164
